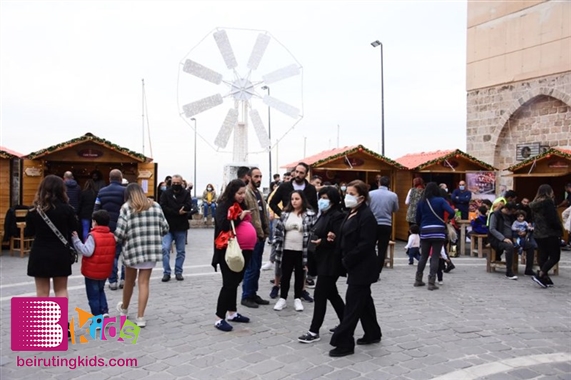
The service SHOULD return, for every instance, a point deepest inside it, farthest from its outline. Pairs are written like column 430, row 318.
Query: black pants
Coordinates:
column 549, row 253
column 326, row 289
column 291, row 260
column 230, row 282
column 509, row 249
column 425, row 246
column 383, row 238
column 311, row 264
column 359, row 306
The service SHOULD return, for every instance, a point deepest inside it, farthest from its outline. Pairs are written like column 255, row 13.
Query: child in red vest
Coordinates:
column 98, row 255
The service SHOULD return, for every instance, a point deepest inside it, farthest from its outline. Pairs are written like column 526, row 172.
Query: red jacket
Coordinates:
column 99, row 265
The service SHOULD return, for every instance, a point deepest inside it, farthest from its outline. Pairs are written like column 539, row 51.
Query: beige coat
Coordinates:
column 252, row 204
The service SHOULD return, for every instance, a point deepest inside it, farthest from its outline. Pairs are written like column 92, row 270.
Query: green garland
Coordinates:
column 549, row 152
column 88, row 137
column 355, row 150
column 453, row 154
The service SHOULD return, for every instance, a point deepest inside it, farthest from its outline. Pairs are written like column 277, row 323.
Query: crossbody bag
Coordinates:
column 72, row 251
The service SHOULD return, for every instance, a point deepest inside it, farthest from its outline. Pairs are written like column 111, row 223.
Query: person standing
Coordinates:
column 111, row 198
column 140, row 228
column 298, row 182
column 73, row 190
column 49, row 257
column 412, row 198
column 430, row 219
column 548, row 231
column 328, row 260
column 176, row 204
column 461, row 198
column 233, row 198
column 356, row 240
column 98, row 181
column 255, row 199
column 383, row 204
column 86, row 205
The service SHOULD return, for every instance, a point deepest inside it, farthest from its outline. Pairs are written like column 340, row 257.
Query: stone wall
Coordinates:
column 500, row 117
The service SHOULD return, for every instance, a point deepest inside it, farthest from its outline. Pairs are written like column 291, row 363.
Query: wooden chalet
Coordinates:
column 9, row 189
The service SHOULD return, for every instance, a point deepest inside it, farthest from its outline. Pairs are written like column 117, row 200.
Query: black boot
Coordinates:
column 418, row 280
column 432, row 283
column 449, row 266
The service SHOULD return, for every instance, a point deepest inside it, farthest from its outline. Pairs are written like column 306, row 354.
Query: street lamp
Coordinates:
column 269, row 136
column 375, row 44
column 195, row 184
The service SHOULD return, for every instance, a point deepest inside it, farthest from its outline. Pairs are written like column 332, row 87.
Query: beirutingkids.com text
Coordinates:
column 75, row 362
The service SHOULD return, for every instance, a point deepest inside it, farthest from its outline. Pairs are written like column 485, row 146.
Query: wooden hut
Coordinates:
column 9, row 186
column 83, row 155
column 441, row 166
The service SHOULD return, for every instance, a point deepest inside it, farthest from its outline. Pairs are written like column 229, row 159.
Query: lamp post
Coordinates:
column 194, row 184
column 375, row 44
column 270, row 137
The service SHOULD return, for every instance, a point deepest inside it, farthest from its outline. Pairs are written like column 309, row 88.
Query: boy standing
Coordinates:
column 98, row 255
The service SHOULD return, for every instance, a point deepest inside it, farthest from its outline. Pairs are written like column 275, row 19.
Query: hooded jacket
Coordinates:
column 546, row 219
column 73, row 193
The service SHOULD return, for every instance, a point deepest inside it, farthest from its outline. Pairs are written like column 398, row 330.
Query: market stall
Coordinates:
column 441, row 166
column 9, row 184
column 82, row 156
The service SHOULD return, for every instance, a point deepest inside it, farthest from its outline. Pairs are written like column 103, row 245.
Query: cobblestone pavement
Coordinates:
column 478, row 325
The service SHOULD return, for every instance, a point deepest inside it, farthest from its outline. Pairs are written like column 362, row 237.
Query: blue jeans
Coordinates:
column 86, row 227
column 95, row 290
column 179, row 238
column 206, row 206
column 252, row 272
column 113, row 277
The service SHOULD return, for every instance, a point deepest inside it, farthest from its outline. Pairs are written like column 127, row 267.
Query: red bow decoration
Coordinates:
column 221, row 241
column 234, row 211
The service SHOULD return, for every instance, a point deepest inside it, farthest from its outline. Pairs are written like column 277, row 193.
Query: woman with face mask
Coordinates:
column 357, row 240
column 327, row 259
column 209, row 201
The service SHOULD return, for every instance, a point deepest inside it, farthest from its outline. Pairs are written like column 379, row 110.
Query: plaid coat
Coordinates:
column 308, row 220
column 141, row 234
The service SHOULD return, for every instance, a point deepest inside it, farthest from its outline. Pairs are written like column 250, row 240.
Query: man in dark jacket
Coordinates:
column 110, row 198
column 461, row 198
column 298, row 182
column 73, row 190
column 500, row 235
column 176, row 204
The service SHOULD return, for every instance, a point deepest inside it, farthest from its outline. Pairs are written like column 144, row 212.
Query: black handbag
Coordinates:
column 72, row 252
column 312, row 247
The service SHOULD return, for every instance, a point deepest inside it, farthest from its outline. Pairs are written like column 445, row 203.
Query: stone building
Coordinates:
column 518, row 79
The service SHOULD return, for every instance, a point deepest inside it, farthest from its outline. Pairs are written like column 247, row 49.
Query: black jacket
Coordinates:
column 86, row 204
column 546, row 219
column 500, row 228
column 327, row 255
column 171, row 203
column 221, row 223
column 283, row 195
column 358, row 238
column 73, row 193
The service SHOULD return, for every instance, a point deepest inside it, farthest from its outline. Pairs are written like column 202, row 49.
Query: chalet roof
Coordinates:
column 560, row 152
column 336, row 153
column 88, row 137
column 419, row 161
column 8, row 153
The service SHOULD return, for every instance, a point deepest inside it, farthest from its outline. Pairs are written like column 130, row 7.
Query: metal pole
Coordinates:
column 195, row 185
column 143, row 112
column 382, row 105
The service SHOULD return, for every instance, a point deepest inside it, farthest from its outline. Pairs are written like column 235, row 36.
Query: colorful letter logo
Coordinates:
column 39, row 324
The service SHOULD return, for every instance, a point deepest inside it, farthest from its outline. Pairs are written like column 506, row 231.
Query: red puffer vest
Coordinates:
column 99, row 265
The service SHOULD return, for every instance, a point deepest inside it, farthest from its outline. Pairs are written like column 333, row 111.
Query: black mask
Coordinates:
column 177, row 188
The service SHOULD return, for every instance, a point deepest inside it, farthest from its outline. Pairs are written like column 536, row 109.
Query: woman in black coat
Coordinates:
column 86, row 205
column 327, row 259
column 357, row 239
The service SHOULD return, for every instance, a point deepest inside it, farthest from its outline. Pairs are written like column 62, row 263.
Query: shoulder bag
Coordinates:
column 234, row 258
column 72, row 251
column 450, row 231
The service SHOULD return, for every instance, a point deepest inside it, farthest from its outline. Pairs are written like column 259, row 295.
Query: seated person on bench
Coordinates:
column 522, row 233
column 500, row 236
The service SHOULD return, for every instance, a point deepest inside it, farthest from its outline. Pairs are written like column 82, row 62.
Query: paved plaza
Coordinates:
column 478, row 325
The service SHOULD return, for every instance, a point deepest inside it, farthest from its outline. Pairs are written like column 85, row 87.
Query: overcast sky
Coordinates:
column 68, row 68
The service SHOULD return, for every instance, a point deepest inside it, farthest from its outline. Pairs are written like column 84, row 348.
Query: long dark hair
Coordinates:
column 333, row 195
column 544, row 192
column 231, row 190
column 430, row 191
column 51, row 189
column 304, row 204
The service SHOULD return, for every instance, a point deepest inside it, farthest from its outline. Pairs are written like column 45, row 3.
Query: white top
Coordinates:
column 413, row 241
column 293, row 233
column 298, row 187
column 407, row 199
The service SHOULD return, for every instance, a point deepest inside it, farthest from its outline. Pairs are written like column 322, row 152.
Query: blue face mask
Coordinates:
column 323, row 204
column 343, row 188
column 462, row 187
column 163, row 188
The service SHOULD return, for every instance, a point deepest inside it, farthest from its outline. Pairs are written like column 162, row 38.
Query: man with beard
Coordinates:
column 298, row 182
column 176, row 204
column 257, row 205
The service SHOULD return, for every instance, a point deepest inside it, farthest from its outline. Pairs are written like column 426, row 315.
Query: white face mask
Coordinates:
column 351, row 201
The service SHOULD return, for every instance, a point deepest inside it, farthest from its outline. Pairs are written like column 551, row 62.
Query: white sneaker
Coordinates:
column 141, row 322
column 281, row 304
column 440, row 282
column 268, row 266
column 298, row 305
column 122, row 312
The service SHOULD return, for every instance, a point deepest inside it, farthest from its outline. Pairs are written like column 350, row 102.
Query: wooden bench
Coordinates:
column 523, row 259
column 389, row 259
column 492, row 263
column 477, row 245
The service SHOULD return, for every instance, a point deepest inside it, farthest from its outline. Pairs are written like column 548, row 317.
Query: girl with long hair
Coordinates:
column 291, row 238
column 86, row 206
column 140, row 228
column 232, row 206
column 547, row 232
